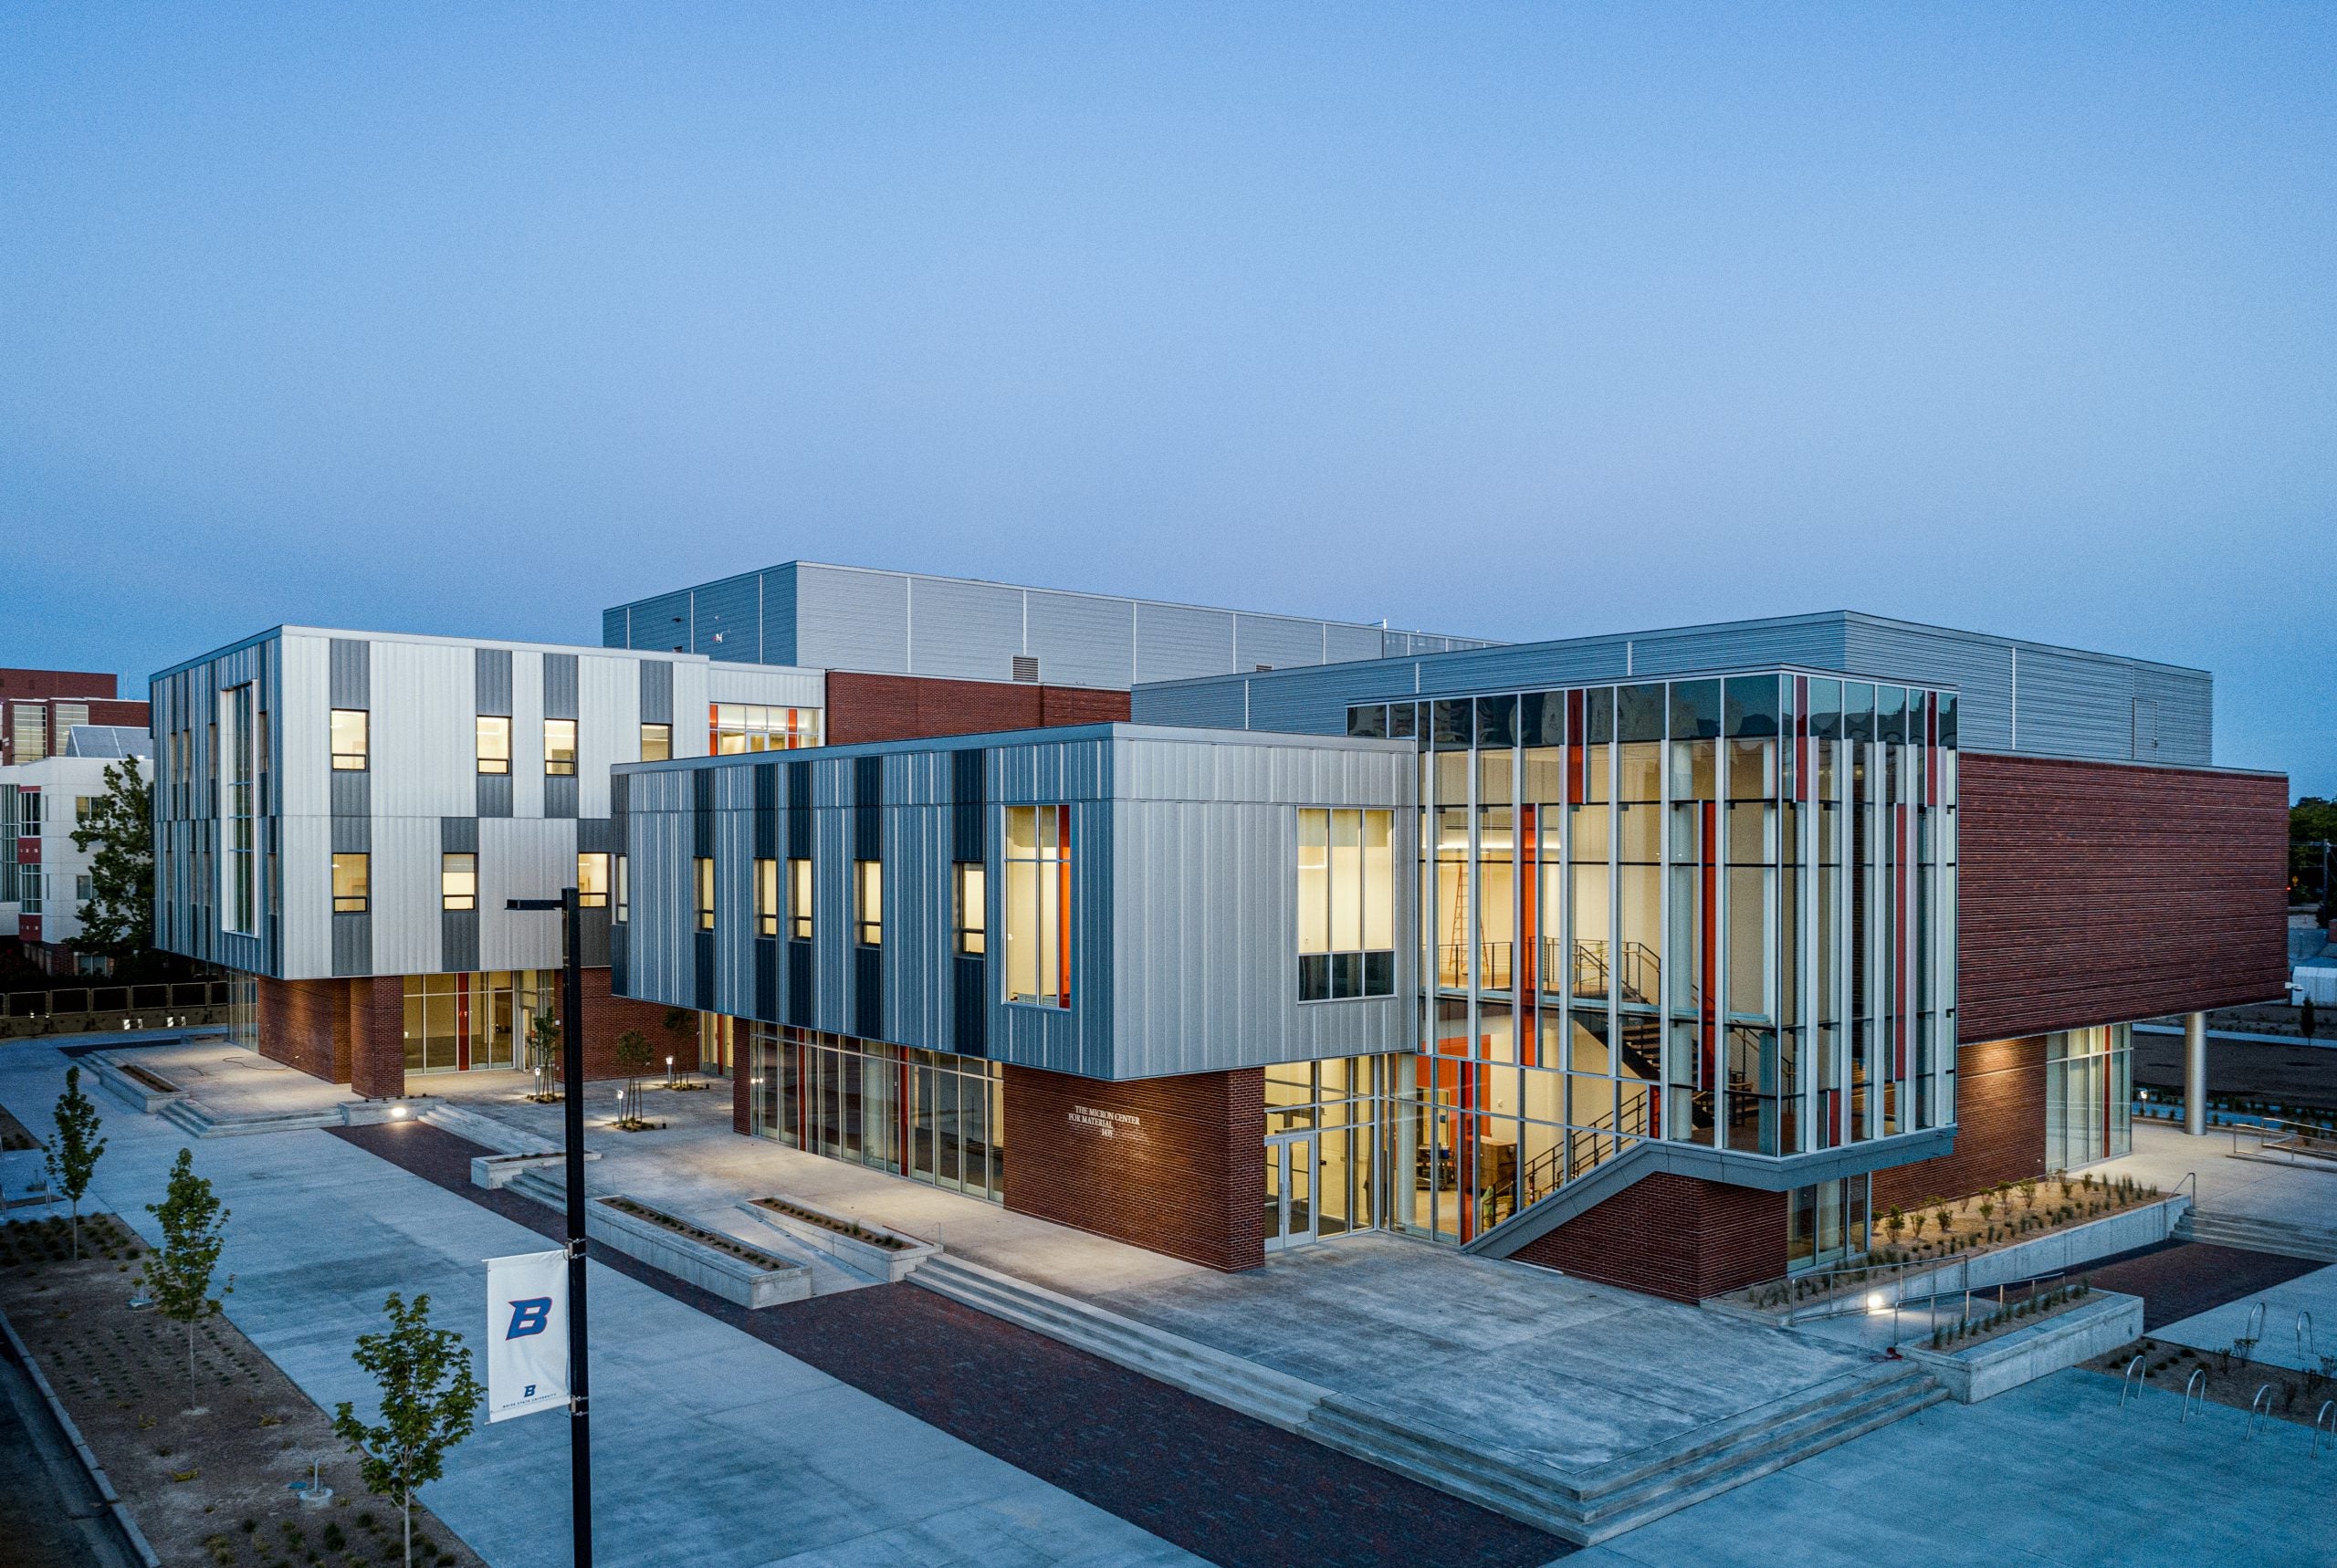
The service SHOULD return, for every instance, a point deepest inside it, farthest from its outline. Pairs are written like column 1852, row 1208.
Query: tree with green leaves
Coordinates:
column 118, row 922
column 633, row 1056
column 72, row 1156
column 429, row 1402
column 178, row 1273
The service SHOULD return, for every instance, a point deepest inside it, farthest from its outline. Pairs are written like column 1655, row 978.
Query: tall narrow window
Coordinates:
column 351, row 877
column 1346, row 904
column 1038, row 905
column 868, row 903
column 238, row 806
column 799, row 900
column 593, row 880
column 351, row 744
column 494, row 743
column 971, row 894
column 657, row 742
column 458, row 881
column 766, row 898
column 560, row 746
column 703, row 880
column 624, row 890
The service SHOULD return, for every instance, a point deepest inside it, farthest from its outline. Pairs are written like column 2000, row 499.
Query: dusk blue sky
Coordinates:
column 1511, row 320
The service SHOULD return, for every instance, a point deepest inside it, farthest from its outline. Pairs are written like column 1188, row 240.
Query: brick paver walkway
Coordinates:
column 1217, row 1483
column 2177, row 1280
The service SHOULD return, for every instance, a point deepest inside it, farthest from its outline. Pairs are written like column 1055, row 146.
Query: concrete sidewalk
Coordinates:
column 715, row 1448
column 2165, row 1157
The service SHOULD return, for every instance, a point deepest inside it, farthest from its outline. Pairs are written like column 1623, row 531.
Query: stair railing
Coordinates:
column 2132, row 1381
column 2198, row 1375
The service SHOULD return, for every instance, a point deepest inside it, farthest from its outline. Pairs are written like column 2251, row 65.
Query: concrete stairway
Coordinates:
column 2283, row 1237
column 189, row 1116
column 1583, row 1507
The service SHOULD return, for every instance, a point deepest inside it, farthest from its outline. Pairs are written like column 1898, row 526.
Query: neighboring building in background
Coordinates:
column 909, row 654
column 43, row 878
column 39, row 708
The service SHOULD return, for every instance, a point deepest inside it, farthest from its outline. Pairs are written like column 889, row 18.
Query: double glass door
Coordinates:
column 1291, row 1217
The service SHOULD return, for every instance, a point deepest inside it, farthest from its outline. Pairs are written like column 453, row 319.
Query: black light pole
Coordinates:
column 572, row 1051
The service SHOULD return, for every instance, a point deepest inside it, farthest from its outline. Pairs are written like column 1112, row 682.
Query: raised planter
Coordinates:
column 494, row 1171
column 2099, row 1324
column 147, row 1091
column 723, row 1264
column 873, row 1249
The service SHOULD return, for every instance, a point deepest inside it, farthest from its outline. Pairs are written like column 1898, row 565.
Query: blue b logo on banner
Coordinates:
column 528, row 1317
column 527, row 1335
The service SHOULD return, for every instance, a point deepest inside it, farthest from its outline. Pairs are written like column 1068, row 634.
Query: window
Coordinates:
column 593, row 880
column 766, row 898
column 625, row 890
column 351, row 879
column 1346, row 903
column 350, row 752
column 239, row 810
column 971, row 901
column 85, row 888
column 868, row 903
column 559, row 748
column 703, row 880
column 494, row 743
column 734, row 728
column 1038, row 905
column 657, row 742
column 799, row 900
column 458, row 881
column 84, row 808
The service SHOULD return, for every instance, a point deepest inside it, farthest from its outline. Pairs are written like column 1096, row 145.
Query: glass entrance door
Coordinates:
column 1290, row 1217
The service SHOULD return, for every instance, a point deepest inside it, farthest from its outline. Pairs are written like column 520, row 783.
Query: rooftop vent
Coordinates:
column 1026, row 667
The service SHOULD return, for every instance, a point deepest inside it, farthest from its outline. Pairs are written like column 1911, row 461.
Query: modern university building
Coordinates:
column 1663, row 959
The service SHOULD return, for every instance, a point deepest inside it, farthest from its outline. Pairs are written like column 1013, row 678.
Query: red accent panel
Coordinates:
column 865, row 708
column 1999, row 1127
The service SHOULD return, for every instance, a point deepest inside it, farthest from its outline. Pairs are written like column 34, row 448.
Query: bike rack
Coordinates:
column 2326, row 1416
column 2261, row 1405
column 2256, row 1317
column 2306, row 1349
column 2129, row 1382
column 2198, row 1375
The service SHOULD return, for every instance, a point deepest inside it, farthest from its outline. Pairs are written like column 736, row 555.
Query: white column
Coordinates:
column 2195, row 1074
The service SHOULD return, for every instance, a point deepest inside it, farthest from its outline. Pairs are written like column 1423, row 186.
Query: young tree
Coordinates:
column 543, row 1050
column 179, row 1271
column 429, row 1402
column 118, row 920
column 632, row 1055
column 73, row 1154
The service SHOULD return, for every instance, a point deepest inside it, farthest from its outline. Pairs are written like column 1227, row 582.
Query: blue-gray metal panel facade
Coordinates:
column 616, row 627
column 350, row 666
column 352, row 945
column 491, row 680
column 778, row 616
column 1212, row 705
column 2185, row 704
column 1342, row 643
column 964, row 631
column 1081, row 640
column 560, row 685
column 1276, row 640
column 1979, row 668
column 657, row 691
column 2074, row 705
column 1174, row 642
column 662, row 622
column 851, row 619
column 726, row 620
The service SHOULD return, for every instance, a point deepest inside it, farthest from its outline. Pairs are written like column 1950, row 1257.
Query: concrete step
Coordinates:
column 485, row 1131
column 1255, row 1390
column 2253, row 1234
column 1584, row 1509
column 187, row 1117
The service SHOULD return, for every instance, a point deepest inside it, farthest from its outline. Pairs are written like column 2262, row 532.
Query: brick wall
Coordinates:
column 742, row 1108
column 1187, row 1178
column 1672, row 1236
column 864, row 708
column 377, row 1036
column 305, row 1024
column 1999, row 1127
column 607, row 1017
column 2090, row 892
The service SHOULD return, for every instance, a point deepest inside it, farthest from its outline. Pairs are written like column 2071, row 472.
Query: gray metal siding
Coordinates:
column 662, row 622
column 491, row 678
column 778, row 616
column 560, row 685
column 1979, row 669
column 726, row 619
column 616, row 628
column 851, row 619
column 1174, row 642
column 1277, row 641
column 965, row 631
column 656, row 692
column 351, row 673
column 1081, row 640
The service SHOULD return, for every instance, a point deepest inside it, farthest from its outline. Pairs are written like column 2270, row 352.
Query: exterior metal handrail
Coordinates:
column 2198, row 1375
column 2260, row 1405
column 2129, row 1382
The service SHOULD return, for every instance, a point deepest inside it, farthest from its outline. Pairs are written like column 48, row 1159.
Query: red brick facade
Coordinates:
column 305, row 1024
column 1999, row 1127
column 863, row 707
column 377, row 1036
column 1672, row 1236
column 2091, row 892
column 1175, row 1165
column 742, row 1105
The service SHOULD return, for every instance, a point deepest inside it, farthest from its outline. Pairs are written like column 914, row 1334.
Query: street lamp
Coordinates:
column 571, row 1040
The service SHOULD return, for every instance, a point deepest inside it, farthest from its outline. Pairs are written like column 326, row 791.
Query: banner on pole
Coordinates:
column 527, row 1335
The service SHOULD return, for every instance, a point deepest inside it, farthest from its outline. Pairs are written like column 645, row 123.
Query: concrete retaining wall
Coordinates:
column 732, row 1278
column 2103, row 1322
column 890, row 1264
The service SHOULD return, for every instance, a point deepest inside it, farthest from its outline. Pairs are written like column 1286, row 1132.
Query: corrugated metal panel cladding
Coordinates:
column 2015, row 695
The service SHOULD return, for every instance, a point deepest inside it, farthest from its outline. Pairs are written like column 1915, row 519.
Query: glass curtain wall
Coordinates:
column 1717, row 909
column 1337, row 1102
column 2088, row 1096
column 463, row 1023
column 932, row 1117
